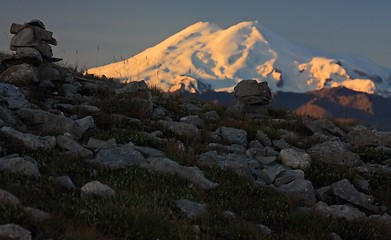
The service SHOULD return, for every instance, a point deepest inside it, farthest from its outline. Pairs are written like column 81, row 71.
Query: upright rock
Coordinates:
column 251, row 98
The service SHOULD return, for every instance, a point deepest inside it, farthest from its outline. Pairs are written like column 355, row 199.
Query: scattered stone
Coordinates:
column 66, row 182
column 13, row 96
column 85, row 124
column 334, row 236
column 182, row 129
column 334, row 152
column 288, row 176
column 351, row 214
column 19, row 165
column 150, row 152
column 22, row 74
column 229, row 215
column 324, row 126
column 8, row 198
column 193, row 174
column 233, row 135
column 346, row 191
column 28, row 141
column 270, row 172
column 367, row 137
column 25, row 55
column 72, row 147
column 295, row 159
column 37, row 214
column 119, row 157
column 265, row 230
column 211, row 117
column 96, row 188
column 301, row 190
column 14, row 232
column 192, row 209
column 99, row 144
column 194, row 120
column 383, row 220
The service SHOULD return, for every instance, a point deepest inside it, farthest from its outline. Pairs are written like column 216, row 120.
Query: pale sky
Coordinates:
column 120, row 29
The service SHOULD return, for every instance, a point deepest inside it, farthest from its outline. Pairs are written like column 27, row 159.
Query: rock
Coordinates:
column 25, row 55
column 150, row 152
column 334, row 236
column 288, row 176
column 9, row 119
column 281, row 144
column 265, row 230
column 14, row 232
column 88, row 108
column 325, row 194
column 36, row 22
column 119, row 157
column 48, row 74
column 351, row 214
column 53, row 124
column 233, row 135
column 366, row 137
column 8, row 198
column 346, row 191
column 229, row 215
column 66, row 182
column 193, row 174
column 301, row 190
column 192, row 209
column 270, row 172
column 13, row 96
column 227, row 149
column 24, row 38
column 28, row 141
column 182, row 129
column 211, row 117
column 251, row 92
column 295, row 159
column 99, row 144
column 324, row 126
column 334, row 152
column 72, row 147
column 19, row 165
column 22, row 74
column 194, row 120
column 383, row 220
column 37, row 214
column 96, row 188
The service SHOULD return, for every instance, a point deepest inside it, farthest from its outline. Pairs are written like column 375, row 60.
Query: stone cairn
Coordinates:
column 251, row 99
column 33, row 56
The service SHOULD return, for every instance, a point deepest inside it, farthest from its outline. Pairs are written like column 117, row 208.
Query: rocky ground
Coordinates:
column 85, row 158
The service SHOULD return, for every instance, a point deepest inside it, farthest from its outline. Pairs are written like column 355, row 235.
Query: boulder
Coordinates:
column 14, row 232
column 300, row 190
column 263, row 138
column 53, row 124
column 19, row 165
column 37, row 214
column 8, row 198
column 324, row 126
column 72, row 147
column 119, row 157
column 66, row 182
column 193, row 119
column 28, row 141
column 334, row 152
column 182, row 129
column 346, row 191
column 351, row 214
column 232, row 135
column 295, row 159
column 99, row 144
column 25, row 55
column 22, row 74
column 211, row 117
column 13, row 96
column 288, row 176
column 96, row 188
column 193, row 174
column 367, row 137
column 191, row 209
column 251, row 92
column 383, row 220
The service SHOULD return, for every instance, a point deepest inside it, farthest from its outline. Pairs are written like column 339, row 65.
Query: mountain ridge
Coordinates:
column 204, row 56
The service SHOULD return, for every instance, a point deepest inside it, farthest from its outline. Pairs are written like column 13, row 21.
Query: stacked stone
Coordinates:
column 251, row 98
column 31, row 43
column 33, row 55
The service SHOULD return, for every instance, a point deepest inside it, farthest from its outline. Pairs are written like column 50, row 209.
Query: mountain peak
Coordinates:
column 218, row 59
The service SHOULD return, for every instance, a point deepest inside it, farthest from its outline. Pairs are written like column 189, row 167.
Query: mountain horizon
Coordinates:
column 205, row 56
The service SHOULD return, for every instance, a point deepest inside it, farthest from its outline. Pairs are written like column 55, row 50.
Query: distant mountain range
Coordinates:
column 206, row 57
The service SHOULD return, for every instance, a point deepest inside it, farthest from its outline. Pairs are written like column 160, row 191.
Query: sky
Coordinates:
column 97, row 32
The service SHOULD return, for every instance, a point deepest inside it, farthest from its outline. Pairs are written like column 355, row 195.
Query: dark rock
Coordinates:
column 295, row 159
column 96, row 188
column 334, row 152
column 19, row 165
column 14, row 232
column 72, row 147
column 351, row 214
column 119, row 157
column 21, row 74
column 191, row 209
column 28, row 141
column 250, row 92
column 346, row 191
column 300, row 190
column 8, row 198
column 182, row 129
column 27, row 55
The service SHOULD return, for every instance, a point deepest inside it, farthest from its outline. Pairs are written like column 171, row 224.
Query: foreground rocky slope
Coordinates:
column 90, row 159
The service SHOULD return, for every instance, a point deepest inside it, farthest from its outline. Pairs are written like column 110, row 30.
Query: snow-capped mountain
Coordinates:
column 205, row 56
